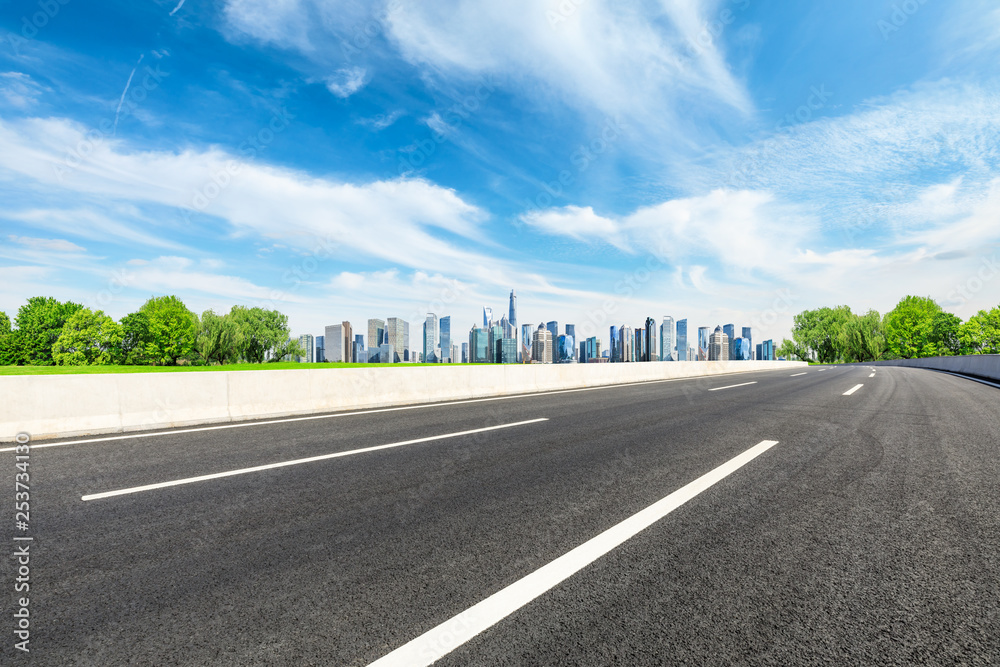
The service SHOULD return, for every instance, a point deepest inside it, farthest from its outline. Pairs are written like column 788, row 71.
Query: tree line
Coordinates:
column 163, row 332
column 916, row 327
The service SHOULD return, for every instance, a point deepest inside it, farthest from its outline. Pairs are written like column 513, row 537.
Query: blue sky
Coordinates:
column 724, row 161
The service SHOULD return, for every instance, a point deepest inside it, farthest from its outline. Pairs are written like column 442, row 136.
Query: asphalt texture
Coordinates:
column 869, row 535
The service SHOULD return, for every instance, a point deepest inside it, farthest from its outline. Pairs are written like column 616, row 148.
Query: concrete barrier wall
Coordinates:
column 986, row 366
column 47, row 406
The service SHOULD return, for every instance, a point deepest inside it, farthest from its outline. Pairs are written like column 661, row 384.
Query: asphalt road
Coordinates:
column 869, row 534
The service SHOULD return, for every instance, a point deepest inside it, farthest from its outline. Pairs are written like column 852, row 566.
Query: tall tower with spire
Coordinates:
column 512, row 316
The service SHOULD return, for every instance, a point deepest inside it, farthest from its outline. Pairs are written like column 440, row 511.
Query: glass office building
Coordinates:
column 682, row 340
column 667, row 334
column 730, row 331
column 445, row 327
column 479, row 345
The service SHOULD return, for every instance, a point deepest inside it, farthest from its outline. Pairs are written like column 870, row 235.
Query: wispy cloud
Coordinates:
column 51, row 245
column 19, row 90
column 345, row 82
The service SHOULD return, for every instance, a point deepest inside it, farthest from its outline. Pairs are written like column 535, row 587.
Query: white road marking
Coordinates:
column 970, row 377
column 446, row 637
column 732, row 385
column 311, row 459
column 822, row 369
column 796, row 375
column 872, row 375
column 853, row 389
column 421, row 406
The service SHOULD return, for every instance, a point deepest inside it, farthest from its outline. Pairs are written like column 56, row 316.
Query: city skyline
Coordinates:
column 653, row 341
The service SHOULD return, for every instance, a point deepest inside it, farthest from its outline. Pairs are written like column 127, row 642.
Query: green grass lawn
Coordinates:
column 280, row 365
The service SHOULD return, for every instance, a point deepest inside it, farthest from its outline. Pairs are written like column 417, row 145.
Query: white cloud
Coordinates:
column 51, row 245
column 635, row 62
column 345, row 82
column 120, row 225
column 381, row 121
column 742, row 230
column 19, row 90
column 181, row 275
column 283, row 23
column 580, row 223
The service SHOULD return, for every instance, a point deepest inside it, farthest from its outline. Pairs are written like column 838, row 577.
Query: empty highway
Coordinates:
column 821, row 515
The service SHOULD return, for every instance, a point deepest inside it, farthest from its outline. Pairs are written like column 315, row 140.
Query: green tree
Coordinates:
column 788, row 350
column 863, row 337
column 909, row 327
column 817, row 333
column 88, row 338
column 290, row 347
column 217, row 338
column 981, row 334
column 136, row 347
column 9, row 342
column 945, row 334
column 39, row 324
column 172, row 330
column 260, row 333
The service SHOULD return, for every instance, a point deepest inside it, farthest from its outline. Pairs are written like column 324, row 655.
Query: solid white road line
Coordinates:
column 853, row 389
column 796, row 375
column 732, row 385
column 970, row 377
column 421, row 406
column 446, row 637
column 295, row 462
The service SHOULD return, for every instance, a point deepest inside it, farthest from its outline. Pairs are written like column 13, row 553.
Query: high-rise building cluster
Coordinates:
column 502, row 342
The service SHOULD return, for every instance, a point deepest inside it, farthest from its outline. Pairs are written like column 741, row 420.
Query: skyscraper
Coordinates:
column 718, row 346
column 446, row 340
column 730, row 330
column 487, row 317
column 541, row 345
column 614, row 351
column 768, row 350
column 430, row 338
column 553, row 328
column 479, row 342
column 567, row 349
column 406, row 342
column 667, row 339
column 626, row 344
column 702, row 343
column 359, row 350
column 306, row 341
column 651, row 351
column 320, row 349
column 749, row 339
column 682, row 340
column 527, row 333
column 465, row 353
column 512, row 315
column 376, row 332
column 571, row 332
column 340, row 340
column 506, row 351
column 397, row 335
